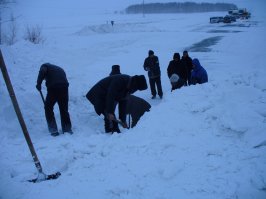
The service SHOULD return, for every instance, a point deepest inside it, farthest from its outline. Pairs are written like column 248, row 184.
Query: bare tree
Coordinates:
column 3, row 5
column 11, row 33
column 34, row 34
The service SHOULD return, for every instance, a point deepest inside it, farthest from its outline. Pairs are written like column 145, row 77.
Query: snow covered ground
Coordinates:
column 203, row 141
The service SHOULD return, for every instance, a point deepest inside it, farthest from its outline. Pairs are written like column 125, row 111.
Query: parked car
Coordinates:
column 233, row 12
column 236, row 16
column 216, row 19
column 240, row 13
column 227, row 19
column 233, row 19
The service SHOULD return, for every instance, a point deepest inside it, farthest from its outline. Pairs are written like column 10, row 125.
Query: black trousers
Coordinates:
column 59, row 96
column 156, row 81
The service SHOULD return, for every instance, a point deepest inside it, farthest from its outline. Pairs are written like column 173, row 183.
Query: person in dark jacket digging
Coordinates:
column 57, row 92
column 115, row 71
column 177, row 72
column 151, row 64
column 199, row 74
column 136, row 106
column 111, row 90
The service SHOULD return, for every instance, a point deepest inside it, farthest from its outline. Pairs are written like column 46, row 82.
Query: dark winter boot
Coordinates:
column 107, row 125
column 53, row 130
column 54, row 134
column 116, row 128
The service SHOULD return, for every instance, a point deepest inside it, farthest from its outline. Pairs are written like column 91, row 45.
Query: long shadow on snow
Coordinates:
column 224, row 31
column 205, row 44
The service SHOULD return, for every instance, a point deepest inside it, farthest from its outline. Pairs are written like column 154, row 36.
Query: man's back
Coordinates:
column 54, row 75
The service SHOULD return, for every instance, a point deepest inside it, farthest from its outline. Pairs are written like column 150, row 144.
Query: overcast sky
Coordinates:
column 112, row 5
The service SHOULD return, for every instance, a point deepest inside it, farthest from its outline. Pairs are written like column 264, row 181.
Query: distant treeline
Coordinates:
column 174, row 7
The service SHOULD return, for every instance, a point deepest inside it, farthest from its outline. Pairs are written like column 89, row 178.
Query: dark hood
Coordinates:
column 196, row 64
column 137, row 82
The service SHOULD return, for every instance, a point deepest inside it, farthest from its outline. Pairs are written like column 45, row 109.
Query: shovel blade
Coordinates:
column 42, row 177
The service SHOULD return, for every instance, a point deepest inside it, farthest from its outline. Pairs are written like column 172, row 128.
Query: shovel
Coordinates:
column 41, row 175
column 121, row 123
column 43, row 100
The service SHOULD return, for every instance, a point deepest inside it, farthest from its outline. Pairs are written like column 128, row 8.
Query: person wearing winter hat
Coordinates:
column 151, row 52
column 199, row 74
column 115, row 70
column 151, row 64
column 110, row 91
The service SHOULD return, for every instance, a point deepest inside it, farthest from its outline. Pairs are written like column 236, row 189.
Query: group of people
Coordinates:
column 116, row 89
column 181, row 72
column 104, row 96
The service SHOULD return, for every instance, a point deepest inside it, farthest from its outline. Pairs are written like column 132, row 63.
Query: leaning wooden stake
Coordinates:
column 41, row 175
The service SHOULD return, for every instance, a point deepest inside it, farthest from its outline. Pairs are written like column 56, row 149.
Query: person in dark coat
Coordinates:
column 189, row 66
column 114, row 125
column 177, row 72
column 199, row 74
column 57, row 92
column 136, row 106
column 111, row 90
column 151, row 64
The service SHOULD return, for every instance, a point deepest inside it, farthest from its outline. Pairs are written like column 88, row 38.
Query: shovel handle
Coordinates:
column 18, row 113
column 42, row 97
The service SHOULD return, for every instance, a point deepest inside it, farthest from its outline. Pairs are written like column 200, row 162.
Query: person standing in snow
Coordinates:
column 112, row 23
column 177, row 72
column 57, row 92
column 189, row 66
column 199, row 74
column 111, row 90
column 151, row 64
